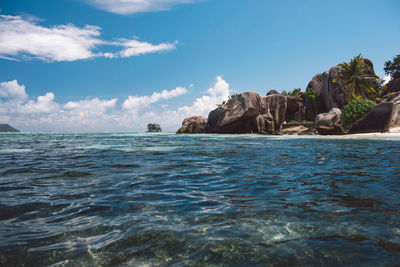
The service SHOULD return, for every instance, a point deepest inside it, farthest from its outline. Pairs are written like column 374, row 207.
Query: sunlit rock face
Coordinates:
column 249, row 112
column 330, row 89
column 381, row 118
column 195, row 124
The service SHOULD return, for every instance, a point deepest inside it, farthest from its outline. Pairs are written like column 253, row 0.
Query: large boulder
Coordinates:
column 195, row 124
column 330, row 93
column 394, row 84
column 273, row 92
column 248, row 112
column 381, row 118
column 237, row 115
column 295, row 109
column 276, row 106
column 328, row 119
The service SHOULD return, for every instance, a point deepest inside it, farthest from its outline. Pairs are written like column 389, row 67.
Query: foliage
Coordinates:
column 357, row 80
column 295, row 93
column 153, row 127
column 379, row 94
column 311, row 102
column 232, row 96
column 229, row 98
column 392, row 66
column 299, row 122
column 355, row 110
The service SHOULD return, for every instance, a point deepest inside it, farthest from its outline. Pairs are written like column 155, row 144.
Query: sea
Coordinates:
column 143, row 199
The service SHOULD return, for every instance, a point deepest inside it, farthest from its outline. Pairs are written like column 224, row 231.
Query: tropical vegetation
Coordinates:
column 153, row 127
column 311, row 103
column 392, row 67
column 355, row 110
column 356, row 79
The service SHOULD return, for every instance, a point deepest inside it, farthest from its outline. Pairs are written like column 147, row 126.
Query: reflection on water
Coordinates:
column 165, row 199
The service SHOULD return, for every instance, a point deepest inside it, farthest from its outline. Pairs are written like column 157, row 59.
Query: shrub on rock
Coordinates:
column 355, row 110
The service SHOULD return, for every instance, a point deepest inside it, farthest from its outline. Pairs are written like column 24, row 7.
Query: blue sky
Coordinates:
column 101, row 65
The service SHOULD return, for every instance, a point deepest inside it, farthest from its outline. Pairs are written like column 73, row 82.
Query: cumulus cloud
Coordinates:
column 125, row 7
column 203, row 105
column 135, row 103
column 46, row 114
column 12, row 90
column 93, row 105
column 43, row 104
column 25, row 39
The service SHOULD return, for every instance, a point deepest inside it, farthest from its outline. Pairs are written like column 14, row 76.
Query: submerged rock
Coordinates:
column 381, row 118
column 195, row 124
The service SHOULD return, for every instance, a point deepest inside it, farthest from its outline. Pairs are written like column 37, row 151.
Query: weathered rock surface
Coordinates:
column 237, row 115
column 7, row 128
column 328, row 119
column 330, row 93
column 248, row 112
column 295, row 109
column 330, row 130
column 381, row 118
column 195, row 124
column 276, row 106
column 394, row 84
column 298, row 130
column 273, row 92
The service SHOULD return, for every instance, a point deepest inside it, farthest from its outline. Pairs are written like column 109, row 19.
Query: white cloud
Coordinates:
column 203, row 105
column 13, row 90
column 45, row 114
column 386, row 79
column 124, row 7
column 136, row 103
column 93, row 105
column 136, row 48
column 44, row 104
column 24, row 39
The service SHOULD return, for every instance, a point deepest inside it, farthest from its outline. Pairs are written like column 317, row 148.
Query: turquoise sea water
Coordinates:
column 195, row 200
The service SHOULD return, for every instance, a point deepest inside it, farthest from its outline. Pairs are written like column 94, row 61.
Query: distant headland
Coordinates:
column 7, row 128
column 348, row 98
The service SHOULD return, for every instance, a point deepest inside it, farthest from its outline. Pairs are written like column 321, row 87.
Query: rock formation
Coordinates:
column 248, row 112
column 381, row 118
column 394, row 84
column 328, row 119
column 330, row 93
column 7, row 128
column 195, row 124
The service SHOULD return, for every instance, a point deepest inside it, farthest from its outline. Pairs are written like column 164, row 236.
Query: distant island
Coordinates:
column 153, row 128
column 348, row 98
column 7, row 128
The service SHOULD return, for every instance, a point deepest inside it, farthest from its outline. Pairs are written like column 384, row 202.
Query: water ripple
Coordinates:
column 176, row 200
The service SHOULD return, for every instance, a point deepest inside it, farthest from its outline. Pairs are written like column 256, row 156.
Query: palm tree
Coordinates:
column 357, row 80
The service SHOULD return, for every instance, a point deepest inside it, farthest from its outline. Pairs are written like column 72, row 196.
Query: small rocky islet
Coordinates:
column 7, row 129
column 282, row 113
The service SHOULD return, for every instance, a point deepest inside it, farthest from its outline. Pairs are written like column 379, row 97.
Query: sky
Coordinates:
column 116, row 65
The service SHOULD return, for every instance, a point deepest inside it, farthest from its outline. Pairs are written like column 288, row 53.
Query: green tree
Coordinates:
column 358, row 82
column 153, row 127
column 392, row 66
